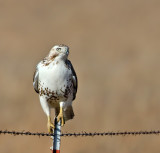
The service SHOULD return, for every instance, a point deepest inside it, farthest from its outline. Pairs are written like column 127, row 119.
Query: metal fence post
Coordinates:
column 56, row 137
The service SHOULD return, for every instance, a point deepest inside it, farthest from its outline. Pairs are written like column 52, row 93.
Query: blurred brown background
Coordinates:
column 115, row 50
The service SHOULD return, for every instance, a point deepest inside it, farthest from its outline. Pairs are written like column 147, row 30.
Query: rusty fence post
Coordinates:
column 56, row 137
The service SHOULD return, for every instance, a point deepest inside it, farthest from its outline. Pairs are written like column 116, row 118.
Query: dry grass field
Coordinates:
column 115, row 49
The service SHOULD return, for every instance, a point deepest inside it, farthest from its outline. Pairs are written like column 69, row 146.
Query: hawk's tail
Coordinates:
column 68, row 113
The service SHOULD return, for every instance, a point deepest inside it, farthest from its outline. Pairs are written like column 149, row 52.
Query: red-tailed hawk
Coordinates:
column 56, row 83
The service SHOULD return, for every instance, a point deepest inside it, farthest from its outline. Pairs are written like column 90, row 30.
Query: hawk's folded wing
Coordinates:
column 36, row 80
column 74, row 79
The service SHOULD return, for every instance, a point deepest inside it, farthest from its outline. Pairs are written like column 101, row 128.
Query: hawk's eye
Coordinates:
column 58, row 49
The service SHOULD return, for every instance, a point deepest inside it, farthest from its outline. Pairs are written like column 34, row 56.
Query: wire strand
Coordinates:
column 86, row 134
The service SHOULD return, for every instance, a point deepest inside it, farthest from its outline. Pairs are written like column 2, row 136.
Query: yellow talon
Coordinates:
column 60, row 117
column 50, row 125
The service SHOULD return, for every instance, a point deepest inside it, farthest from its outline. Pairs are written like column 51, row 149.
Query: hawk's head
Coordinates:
column 61, row 51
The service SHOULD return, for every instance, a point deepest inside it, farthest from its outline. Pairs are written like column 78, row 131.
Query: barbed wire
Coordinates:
column 86, row 134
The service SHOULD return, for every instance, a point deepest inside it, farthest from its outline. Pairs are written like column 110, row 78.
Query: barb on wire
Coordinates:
column 86, row 134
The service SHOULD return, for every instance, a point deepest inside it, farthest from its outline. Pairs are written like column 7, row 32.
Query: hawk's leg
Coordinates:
column 46, row 109
column 60, row 115
column 50, row 125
